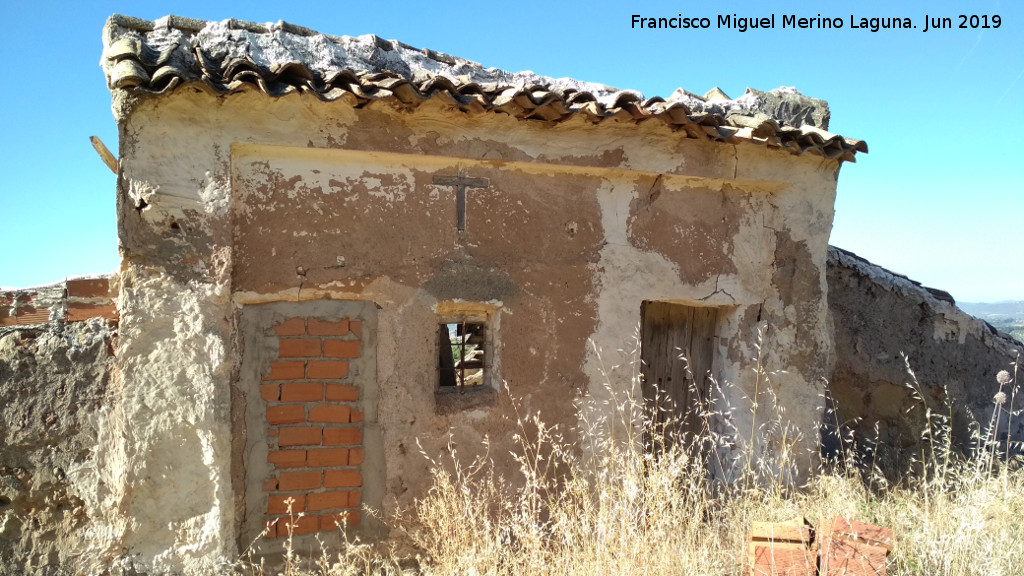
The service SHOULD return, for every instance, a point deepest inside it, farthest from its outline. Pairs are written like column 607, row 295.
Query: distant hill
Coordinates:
column 1005, row 316
column 983, row 309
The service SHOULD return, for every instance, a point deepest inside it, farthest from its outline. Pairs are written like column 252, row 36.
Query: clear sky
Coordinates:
column 939, row 198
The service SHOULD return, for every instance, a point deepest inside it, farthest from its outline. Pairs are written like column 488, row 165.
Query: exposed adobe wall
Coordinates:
column 55, row 381
column 877, row 315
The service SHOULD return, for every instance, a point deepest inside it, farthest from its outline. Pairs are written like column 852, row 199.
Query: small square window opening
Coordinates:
column 462, row 349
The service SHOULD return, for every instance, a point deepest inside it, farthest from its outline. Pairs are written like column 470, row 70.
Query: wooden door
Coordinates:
column 677, row 359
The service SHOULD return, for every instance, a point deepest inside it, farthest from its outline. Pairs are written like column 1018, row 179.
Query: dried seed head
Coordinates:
column 1003, row 377
column 999, row 398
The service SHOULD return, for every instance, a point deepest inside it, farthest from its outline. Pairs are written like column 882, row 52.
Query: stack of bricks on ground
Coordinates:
column 840, row 547
column 315, row 430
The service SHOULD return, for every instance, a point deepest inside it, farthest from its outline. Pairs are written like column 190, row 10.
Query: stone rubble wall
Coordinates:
column 54, row 382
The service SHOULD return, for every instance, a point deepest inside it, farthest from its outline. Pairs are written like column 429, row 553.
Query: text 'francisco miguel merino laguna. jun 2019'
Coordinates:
column 739, row 23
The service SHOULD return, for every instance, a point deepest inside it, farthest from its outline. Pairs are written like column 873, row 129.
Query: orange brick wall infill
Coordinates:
column 314, row 427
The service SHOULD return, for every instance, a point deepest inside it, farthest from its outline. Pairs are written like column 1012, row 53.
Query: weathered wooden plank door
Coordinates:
column 677, row 358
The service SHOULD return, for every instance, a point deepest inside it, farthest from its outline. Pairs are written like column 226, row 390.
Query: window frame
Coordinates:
column 480, row 313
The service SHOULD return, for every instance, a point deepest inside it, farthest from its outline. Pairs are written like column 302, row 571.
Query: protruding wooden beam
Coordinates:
column 104, row 153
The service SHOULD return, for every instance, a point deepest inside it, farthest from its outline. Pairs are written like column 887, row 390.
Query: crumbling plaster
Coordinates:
column 211, row 186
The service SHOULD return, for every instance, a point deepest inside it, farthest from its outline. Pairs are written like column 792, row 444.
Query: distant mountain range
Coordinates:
column 994, row 309
column 1005, row 316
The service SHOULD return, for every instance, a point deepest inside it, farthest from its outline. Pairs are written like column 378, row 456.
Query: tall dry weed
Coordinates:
column 650, row 501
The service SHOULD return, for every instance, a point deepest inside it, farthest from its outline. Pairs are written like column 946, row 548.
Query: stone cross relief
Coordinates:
column 461, row 182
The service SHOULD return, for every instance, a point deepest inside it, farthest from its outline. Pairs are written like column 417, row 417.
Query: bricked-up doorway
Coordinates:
column 672, row 393
column 308, row 437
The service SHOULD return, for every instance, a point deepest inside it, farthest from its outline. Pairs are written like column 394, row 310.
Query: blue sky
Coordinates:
column 939, row 198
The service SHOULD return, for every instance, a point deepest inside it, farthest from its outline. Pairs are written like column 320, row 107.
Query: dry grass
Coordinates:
column 613, row 508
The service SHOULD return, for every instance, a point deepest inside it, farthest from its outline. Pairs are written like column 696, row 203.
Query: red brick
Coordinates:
column 303, row 480
column 782, row 559
column 355, row 456
column 287, row 458
column 291, row 327
column 286, row 414
column 302, row 391
column 356, row 326
column 270, row 485
column 299, row 436
column 328, row 501
column 340, row 393
column 322, row 328
column 27, row 315
column 354, row 498
column 780, row 549
column 873, row 535
column 270, row 527
column 348, row 518
column 79, row 312
column 328, row 457
column 341, row 348
column 332, row 413
column 328, row 369
column 343, row 436
column 840, row 557
column 341, row 479
column 278, row 504
column 88, row 288
column 356, row 416
column 270, row 392
column 299, row 348
column 287, row 370
column 303, row 525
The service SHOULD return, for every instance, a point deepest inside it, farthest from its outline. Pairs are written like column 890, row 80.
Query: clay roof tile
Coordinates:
column 154, row 58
